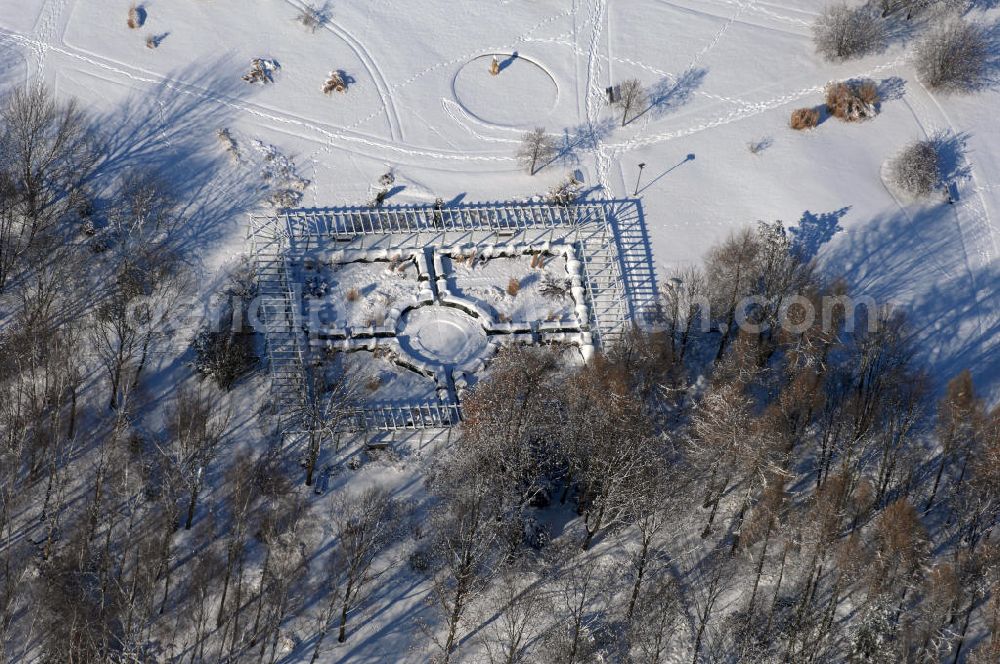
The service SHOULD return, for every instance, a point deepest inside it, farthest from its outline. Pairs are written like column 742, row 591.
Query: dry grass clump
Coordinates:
column 804, row 118
column 513, row 287
column 373, row 383
column 334, row 83
column 136, row 16
column 852, row 101
column 353, row 295
column 868, row 92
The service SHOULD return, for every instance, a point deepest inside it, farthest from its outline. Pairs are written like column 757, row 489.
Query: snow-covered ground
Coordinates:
column 489, row 283
column 421, row 102
column 360, row 294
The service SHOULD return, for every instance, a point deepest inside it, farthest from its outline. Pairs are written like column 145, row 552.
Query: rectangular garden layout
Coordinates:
column 411, row 303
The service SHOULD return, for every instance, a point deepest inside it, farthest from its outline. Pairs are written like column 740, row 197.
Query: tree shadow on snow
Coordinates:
column 581, row 138
column 916, row 260
column 628, row 223
column 891, row 89
column 170, row 131
column 670, row 92
column 815, row 230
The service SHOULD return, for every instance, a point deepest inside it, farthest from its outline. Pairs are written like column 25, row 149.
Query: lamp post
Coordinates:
column 642, row 165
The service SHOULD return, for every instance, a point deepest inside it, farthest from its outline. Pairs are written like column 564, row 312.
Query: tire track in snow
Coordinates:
column 522, row 38
column 333, row 137
column 975, row 227
column 374, row 70
column 463, row 119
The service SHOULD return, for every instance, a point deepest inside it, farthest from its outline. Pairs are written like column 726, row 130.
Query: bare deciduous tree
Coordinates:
column 631, row 99
column 731, row 276
column 365, row 524
column 658, row 611
column 324, row 403
column 195, row 427
column 609, row 445
column 537, row 149
column 516, row 602
column 465, row 541
column 685, row 302
column 580, row 584
column 961, row 422
column 509, row 417
column 48, row 155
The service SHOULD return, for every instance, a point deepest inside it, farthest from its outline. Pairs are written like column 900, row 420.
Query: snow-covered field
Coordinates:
column 422, row 103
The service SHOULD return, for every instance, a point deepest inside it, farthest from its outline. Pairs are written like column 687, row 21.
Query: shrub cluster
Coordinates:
column 852, row 101
column 953, row 57
column 916, row 170
column 804, row 118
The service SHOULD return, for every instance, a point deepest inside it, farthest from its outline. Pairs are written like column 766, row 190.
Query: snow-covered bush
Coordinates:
column 910, row 9
column 261, row 71
column 553, row 286
column 842, row 32
column 804, row 118
column 916, row 170
column 285, row 198
column 873, row 638
column 315, row 287
column 241, row 280
column 566, row 193
column 419, row 561
column 852, row 101
column 223, row 355
column 953, row 56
